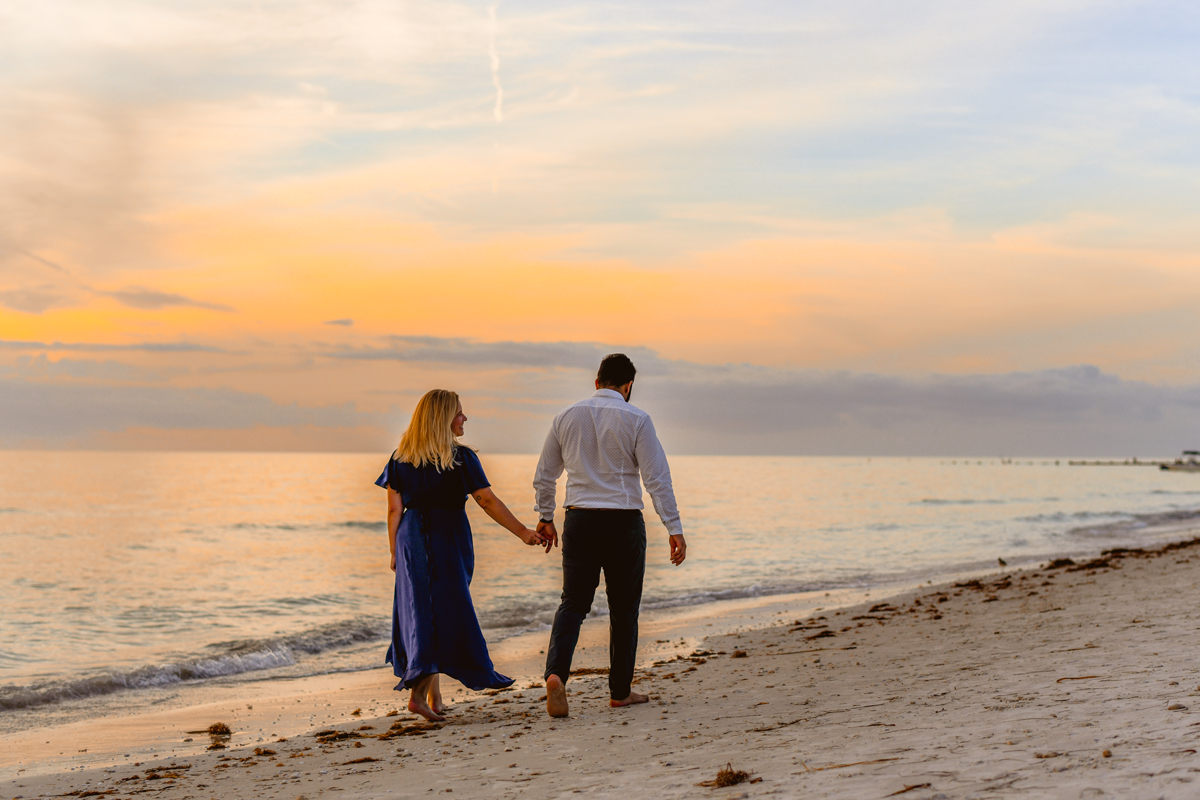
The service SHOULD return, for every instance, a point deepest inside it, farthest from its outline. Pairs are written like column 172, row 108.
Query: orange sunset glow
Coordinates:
column 277, row 235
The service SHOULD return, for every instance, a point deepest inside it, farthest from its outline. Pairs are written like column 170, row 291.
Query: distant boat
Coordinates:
column 1188, row 462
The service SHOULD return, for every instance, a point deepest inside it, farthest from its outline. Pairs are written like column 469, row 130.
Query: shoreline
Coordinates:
column 153, row 724
column 515, row 649
column 1071, row 681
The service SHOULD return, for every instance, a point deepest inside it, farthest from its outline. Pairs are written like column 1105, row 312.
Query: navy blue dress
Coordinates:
column 434, row 627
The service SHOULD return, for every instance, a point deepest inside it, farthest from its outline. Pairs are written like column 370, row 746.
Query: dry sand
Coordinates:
column 1074, row 681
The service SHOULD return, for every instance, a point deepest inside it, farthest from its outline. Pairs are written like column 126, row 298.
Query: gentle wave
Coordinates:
column 510, row 615
column 230, row 658
column 1138, row 522
column 939, row 501
column 1064, row 517
column 289, row 526
column 740, row 593
column 8, row 657
column 519, row 616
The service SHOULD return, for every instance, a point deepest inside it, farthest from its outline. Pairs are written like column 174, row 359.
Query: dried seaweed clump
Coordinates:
column 219, row 729
column 728, row 776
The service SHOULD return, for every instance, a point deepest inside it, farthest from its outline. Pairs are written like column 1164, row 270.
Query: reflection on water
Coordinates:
column 128, row 569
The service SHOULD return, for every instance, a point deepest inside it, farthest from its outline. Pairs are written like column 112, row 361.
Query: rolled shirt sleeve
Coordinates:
column 656, row 475
column 545, row 477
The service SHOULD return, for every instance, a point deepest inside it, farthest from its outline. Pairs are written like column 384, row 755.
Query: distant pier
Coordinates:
column 1129, row 462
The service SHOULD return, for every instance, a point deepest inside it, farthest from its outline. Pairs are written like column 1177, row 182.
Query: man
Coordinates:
column 603, row 442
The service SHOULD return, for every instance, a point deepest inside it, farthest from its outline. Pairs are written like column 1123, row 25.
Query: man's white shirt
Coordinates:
column 604, row 443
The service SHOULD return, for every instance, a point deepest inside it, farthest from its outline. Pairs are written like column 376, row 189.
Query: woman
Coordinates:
column 434, row 628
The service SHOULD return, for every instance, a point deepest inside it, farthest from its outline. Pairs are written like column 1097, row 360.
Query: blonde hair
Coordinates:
column 429, row 439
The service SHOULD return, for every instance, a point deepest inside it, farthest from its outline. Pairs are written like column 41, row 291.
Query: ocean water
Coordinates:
column 125, row 571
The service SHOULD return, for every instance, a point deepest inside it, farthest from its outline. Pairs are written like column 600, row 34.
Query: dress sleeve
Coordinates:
column 389, row 477
column 472, row 471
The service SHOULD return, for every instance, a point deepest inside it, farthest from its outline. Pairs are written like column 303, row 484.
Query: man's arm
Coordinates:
column 656, row 475
column 545, row 481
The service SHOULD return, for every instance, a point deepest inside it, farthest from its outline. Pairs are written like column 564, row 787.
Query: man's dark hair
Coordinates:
column 616, row 370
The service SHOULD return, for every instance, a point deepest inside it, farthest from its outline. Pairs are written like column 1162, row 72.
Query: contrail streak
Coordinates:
column 45, row 261
column 498, row 111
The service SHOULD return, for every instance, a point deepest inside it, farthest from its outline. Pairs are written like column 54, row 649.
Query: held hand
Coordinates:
column 678, row 549
column 529, row 537
column 549, row 534
column 393, row 561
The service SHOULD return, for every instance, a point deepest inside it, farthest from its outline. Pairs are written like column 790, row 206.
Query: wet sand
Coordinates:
column 1072, row 681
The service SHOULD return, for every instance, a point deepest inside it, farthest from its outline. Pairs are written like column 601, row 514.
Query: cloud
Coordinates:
column 90, row 347
column 63, row 411
column 514, row 389
column 41, row 368
column 33, row 300
column 45, row 262
column 494, row 57
column 343, row 322
column 1072, row 411
column 151, row 300
column 40, row 298
column 496, row 355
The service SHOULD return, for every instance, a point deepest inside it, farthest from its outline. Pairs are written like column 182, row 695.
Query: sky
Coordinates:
column 818, row 228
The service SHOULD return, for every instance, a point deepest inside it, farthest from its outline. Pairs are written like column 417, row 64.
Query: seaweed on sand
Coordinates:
column 728, row 776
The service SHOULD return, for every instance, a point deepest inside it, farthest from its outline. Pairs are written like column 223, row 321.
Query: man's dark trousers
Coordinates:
column 595, row 539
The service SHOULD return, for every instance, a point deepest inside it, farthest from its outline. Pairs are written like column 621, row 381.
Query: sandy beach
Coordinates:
column 1075, row 680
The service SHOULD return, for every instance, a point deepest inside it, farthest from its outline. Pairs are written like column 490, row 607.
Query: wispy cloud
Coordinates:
column 704, row 408
column 34, row 300
column 513, row 389
column 58, row 411
column 152, row 300
column 491, row 355
column 45, row 262
column 494, row 56
column 1077, row 410
column 42, row 368
column 95, row 347
column 346, row 323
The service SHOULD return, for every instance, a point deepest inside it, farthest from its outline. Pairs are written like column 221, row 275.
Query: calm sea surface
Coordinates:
column 123, row 571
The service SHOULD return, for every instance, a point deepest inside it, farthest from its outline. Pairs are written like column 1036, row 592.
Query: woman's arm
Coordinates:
column 394, row 513
column 494, row 507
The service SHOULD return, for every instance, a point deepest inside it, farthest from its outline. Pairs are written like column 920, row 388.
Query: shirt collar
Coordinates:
column 608, row 393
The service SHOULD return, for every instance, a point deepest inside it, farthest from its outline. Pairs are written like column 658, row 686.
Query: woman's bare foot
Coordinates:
column 556, row 697
column 417, row 702
column 434, row 696
column 633, row 699
column 418, row 706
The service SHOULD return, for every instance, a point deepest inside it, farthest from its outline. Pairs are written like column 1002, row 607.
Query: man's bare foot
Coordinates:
column 633, row 699
column 417, row 706
column 556, row 697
